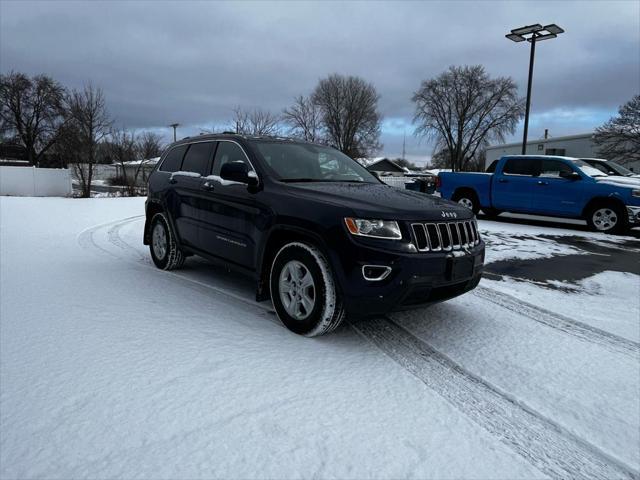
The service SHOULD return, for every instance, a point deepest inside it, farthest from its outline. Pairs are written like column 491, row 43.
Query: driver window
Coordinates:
column 553, row 168
column 228, row 152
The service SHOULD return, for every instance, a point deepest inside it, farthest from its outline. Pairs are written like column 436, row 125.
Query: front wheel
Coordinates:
column 606, row 218
column 303, row 290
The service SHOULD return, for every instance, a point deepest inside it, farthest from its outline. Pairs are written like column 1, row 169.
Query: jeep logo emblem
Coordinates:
column 449, row 214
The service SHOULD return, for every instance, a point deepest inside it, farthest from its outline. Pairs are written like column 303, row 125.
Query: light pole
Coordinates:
column 532, row 34
column 175, row 126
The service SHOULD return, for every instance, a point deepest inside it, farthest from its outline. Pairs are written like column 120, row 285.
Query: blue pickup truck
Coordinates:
column 548, row 185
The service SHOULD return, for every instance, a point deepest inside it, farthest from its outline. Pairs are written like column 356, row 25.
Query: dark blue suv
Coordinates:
column 320, row 234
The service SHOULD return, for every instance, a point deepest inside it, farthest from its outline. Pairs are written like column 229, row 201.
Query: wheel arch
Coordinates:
column 458, row 192
column 609, row 200
column 278, row 237
column 152, row 208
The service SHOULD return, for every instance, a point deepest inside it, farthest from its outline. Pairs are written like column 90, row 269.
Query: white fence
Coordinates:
column 399, row 182
column 35, row 182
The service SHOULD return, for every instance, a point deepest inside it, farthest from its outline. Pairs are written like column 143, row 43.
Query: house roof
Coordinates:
column 386, row 165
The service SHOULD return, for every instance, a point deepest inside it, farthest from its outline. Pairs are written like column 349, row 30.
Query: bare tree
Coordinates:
column 348, row 109
column 124, row 151
column 303, row 117
column 619, row 138
column 88, row 117
column 403, row 162
column 149, row 145
column 255, row 122
column 32, row 109
column 463, row 109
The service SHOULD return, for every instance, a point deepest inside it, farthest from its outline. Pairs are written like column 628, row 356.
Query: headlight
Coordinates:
column 388, row 229
column 635, row 193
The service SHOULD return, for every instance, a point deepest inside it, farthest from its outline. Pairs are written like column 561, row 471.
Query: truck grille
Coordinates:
column 446, row 236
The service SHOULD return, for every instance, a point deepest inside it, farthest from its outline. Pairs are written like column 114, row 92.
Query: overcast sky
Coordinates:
column 192, row 62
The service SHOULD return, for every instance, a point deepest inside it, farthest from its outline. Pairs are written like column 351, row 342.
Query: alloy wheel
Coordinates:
column 297, row 290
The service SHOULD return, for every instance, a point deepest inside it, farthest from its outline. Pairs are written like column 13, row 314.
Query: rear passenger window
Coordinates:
column 228, row 152
column 173, row 160
column 552, row 168
column 520, row 166
column 197, row 158
column 492, row 167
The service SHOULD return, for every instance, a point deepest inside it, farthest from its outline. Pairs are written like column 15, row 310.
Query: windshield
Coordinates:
column 304, row 162
column 588, row 169
column 619, row 169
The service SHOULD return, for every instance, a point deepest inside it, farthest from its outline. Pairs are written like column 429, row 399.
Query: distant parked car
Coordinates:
column 549, row 185
column 610, row 168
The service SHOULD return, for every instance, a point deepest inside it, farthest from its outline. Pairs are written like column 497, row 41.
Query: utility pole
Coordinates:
column 404, row 144
column 532, row 34
column 175, row 126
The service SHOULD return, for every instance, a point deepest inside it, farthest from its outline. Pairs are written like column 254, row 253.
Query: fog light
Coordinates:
column 375, row 273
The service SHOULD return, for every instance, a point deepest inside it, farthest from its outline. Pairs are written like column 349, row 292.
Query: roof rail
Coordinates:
column 228, row 132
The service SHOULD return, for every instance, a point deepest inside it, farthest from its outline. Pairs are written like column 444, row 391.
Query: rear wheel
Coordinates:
column 491, row 212
column 606, row 218
column 164, row 250
column 303, row 290
column 468, row 199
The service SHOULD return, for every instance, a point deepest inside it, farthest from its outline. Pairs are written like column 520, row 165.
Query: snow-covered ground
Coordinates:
column 110, row 368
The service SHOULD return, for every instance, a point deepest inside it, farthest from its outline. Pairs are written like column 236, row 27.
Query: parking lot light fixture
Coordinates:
column 532, row 34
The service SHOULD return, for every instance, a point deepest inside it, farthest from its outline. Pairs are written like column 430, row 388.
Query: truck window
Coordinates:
column 553, row 168
column 492, row 168
column 173, row 160
column 520, row 166
column 228, row 152
column 197, row 158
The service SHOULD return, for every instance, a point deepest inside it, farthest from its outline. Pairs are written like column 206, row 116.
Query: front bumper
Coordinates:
column 634, row 215
column 414, row 280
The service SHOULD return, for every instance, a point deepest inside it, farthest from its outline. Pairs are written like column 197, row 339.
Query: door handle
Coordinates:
column 503, row 180
column 173, row 180
column 540, row 182
column 207, row 186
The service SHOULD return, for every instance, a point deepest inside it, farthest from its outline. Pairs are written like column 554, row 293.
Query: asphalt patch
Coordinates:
column 600, row 256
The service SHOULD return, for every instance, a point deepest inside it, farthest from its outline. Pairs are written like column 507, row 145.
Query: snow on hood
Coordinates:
column 628, row 182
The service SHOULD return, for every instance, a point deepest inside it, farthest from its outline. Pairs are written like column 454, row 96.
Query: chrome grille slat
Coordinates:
column 445, row 236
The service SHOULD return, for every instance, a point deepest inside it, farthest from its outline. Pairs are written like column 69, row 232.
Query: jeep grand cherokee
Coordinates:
column 320, row 234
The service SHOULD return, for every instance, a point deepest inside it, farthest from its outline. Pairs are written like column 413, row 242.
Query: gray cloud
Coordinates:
column 192, row 62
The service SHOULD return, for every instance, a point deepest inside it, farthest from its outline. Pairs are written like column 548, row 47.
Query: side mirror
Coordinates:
column 238, row 172
column 570, row 175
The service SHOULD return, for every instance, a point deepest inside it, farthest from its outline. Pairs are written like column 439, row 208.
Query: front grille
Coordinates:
column 445, row 236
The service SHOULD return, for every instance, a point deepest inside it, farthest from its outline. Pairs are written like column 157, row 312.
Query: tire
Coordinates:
column 607, row 218
column 467, row 198
column 168, row 257
column 491, row 212
column 303, row 290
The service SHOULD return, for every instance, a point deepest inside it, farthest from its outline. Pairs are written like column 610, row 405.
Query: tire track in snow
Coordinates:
column 86, row 239
column 580, row 330
column 546, row 445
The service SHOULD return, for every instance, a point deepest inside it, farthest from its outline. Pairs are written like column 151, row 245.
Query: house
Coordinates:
column 387, row 168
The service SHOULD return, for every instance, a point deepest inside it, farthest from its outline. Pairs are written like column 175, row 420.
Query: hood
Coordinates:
column 628, row 182
column 370, row 200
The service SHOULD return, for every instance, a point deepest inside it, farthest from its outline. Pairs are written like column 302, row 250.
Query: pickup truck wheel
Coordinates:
column 164, row 249
column 468, row 200
column 606, row 218
column 303, row 290
column 491, row 212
